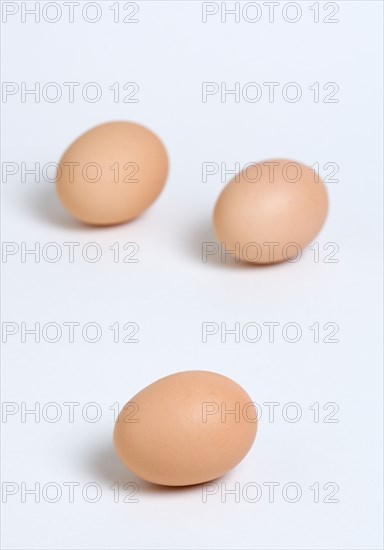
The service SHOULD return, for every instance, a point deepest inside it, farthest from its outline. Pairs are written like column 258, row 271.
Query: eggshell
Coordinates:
column 112, row 173
column 180, row 430
column 271, row 211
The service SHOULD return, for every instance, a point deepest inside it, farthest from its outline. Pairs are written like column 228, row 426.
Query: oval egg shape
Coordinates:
column 270, row 211
column 112, row 173
column 187, row 428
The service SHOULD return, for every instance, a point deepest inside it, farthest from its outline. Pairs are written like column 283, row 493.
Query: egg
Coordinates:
column 112, row 173
column 270, row 211
column 187, row 428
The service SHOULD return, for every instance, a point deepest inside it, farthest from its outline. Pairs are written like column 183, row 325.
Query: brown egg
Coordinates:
column 112, row 173
column 187, row 428
column 270, row 211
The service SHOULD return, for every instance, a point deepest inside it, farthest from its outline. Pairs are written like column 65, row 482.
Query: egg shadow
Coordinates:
column 204, row 246
column 105, row 465
column 44, row 203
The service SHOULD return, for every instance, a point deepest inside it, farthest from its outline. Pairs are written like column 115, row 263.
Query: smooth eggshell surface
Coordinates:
column 112, row 173
column 180, row 430
column 271, row 211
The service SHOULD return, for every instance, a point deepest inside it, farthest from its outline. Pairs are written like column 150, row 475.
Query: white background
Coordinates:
column 170, row 292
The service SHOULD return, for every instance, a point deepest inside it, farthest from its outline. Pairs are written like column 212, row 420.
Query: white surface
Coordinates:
column 170, row 292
